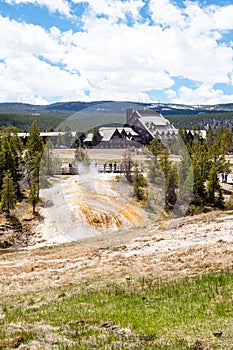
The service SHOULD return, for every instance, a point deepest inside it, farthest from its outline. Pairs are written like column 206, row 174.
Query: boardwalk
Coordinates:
column 115, row 168
column 66, row 171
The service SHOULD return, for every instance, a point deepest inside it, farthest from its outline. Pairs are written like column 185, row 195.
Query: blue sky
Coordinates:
column 167, row 51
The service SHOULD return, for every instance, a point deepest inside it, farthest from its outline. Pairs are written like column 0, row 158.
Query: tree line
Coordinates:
column 26, row 166
column 201, row 120
column 208, row 162
column 23, row 122
column 194, row 179
column 14, row 167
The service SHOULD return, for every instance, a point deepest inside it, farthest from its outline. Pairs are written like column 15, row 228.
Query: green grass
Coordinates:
column 136, row 314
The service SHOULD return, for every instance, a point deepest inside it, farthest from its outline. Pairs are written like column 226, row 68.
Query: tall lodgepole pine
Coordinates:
column 10, row 156
column 8, row 196
column 33, row 158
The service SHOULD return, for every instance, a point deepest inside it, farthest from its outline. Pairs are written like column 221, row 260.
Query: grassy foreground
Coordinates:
column 191, row 313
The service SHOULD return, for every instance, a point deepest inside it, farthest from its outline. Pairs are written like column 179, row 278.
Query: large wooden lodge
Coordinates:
column 140, row 128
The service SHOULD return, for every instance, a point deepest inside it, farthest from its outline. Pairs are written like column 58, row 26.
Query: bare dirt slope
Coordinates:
column 190, row 246
column 114, row 239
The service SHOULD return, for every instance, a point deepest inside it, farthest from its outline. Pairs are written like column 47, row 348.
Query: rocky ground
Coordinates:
column 40, row 252
column 190, row 246
column 16, row 233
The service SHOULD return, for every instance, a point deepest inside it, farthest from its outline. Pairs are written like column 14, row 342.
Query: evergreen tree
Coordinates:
column 171, row 178
column 217, row 156
column 47, row 167
column 155, row 147
column 204, row 154
column 215, row 195
column 156, row 175
column 172, row 185
column 139, row 185
column 6, row 157
column 185, row 177
column 184, row 135
column 34, row 195
column 96, row 138
column 201, row 165
column 8, row 196
column 199, row 190
column 209, row 136
column 32, row 161
column 163, row 174
column 201, row 156
column 10, row 155
column 223, row 139
column 34, row 144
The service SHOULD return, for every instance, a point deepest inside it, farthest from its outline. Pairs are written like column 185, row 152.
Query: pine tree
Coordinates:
column 34, row 143
column 155, row 147
column 216, row 155
column 96, row 138
column 32, row 160
column 156, row 175
column 223, row 139
column 172, row 184
column 215, row 195
column 185, row 177
column 163, row 175
column 199, row 190
column 209, row 136
column 46, row 167
column 8, row 196
column 171, row 178
column 10, row 156
column 34, row 195
column 200, row 155
column 139, row 185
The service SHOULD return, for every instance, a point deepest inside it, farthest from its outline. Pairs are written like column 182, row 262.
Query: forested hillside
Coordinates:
column 108, row 112
column 202, row 121
column 24, row 121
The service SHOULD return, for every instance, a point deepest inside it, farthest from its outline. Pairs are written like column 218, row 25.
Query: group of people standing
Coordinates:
column 115, row 167
column 111, row 167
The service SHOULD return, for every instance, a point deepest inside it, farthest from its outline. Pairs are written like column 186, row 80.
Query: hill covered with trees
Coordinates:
column 24, row 121
column 50, row 116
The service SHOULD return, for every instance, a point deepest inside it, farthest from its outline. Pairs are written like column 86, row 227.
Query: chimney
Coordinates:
column 129, row 112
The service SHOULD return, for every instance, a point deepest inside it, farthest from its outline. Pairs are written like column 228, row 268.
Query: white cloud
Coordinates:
column 25, row 73
column 222, row 18
column 60, row 6
column 204, row 94
column 111, row 60
column 165, row 13
column 113, row 9
column 20, row 39
column 28, row 79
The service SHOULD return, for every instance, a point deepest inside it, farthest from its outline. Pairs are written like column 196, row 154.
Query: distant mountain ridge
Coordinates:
column 96, row 113
column 119, row 107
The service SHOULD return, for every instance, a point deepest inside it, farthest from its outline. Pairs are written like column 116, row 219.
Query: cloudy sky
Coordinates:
column 139, row 50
